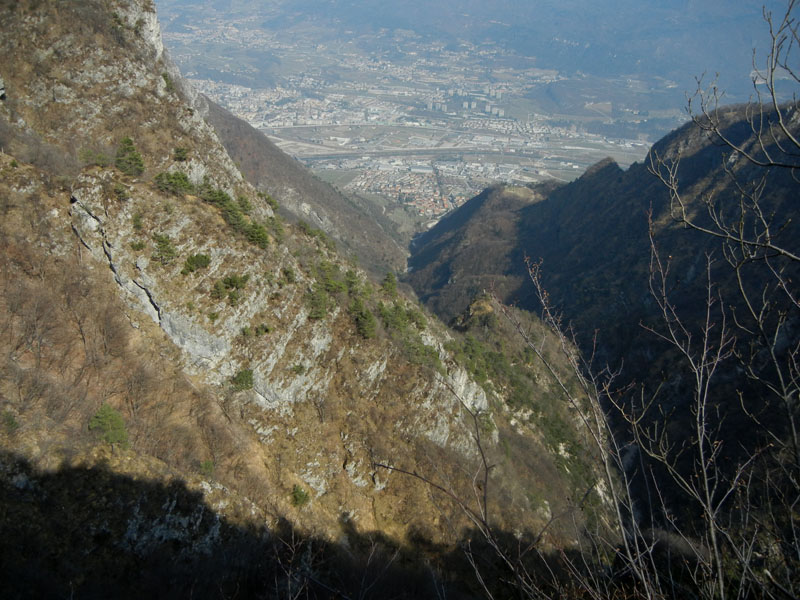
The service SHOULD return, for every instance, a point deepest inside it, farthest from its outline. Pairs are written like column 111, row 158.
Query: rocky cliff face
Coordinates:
column 143, row 272
column 249, row 364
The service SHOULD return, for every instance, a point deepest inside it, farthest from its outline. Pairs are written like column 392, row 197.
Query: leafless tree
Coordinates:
column 755, row 224
column 743, row 539
column 522, row 561
column 758, row 238
column 622, row 537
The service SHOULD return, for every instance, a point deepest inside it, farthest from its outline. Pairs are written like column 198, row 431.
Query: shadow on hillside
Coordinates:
column 87, row 532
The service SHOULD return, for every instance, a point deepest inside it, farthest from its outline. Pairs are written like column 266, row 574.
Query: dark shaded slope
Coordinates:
column 591, row 237
column 469, row 251
column 581, row 232
column 90, row 532
column 356, row 227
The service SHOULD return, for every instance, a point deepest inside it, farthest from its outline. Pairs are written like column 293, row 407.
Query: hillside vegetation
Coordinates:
column 198, row 394
column 358, row 226
column 678, row 280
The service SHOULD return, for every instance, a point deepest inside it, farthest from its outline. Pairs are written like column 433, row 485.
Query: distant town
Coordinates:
column 415, row 126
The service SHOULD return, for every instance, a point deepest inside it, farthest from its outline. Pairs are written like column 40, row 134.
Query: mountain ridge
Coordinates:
column 304, row 196
column 560, row 231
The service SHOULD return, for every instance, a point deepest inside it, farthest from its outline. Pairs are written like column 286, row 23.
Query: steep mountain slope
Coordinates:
column 682, row 290
column 360, row 228
column 698, row 321
column 472, row 250
column 591, row 237
column 161, row 323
